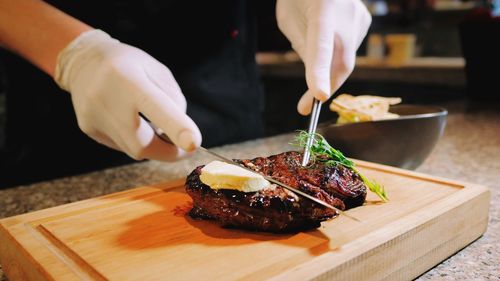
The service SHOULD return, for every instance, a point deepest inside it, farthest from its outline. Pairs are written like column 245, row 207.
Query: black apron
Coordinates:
column 208, row 45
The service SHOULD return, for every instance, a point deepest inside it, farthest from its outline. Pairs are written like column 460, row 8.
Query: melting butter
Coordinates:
column 220, row 175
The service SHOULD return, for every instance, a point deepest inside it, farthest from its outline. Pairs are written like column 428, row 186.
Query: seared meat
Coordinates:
column 276, row 209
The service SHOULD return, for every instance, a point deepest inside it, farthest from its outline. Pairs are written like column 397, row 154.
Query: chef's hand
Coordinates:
column 326, row 35
column 110, row 83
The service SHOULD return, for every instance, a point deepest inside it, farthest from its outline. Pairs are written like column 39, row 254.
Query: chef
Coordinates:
column 108, row 67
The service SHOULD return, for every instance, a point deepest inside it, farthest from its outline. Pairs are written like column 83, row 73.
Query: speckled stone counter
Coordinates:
column 468, row 151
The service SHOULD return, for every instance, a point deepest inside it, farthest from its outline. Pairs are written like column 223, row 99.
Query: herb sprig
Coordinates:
column 321, row 148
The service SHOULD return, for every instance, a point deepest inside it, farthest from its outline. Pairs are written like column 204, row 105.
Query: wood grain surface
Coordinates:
column 144, row 234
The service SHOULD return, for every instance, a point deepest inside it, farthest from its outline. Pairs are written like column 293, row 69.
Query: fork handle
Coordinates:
column 313, row 124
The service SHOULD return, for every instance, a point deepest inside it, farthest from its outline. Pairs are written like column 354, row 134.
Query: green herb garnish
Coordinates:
column 322, row 151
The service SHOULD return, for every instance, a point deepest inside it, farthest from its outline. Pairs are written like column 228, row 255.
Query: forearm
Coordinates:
column 37, row 31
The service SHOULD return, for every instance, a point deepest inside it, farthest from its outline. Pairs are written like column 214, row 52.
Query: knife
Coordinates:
column 165, row 138
column 292, row 189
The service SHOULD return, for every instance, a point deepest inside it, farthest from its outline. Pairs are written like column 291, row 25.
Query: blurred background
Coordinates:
column 452, row 52
column 432, row 52
column 425, row 51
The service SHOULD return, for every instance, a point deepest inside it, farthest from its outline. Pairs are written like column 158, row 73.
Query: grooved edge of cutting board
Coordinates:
column 36, row 246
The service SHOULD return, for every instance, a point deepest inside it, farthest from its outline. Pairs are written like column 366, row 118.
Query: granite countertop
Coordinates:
column 468, row 151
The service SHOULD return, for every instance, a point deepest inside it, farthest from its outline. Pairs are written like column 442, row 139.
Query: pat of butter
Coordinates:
column 220, row 175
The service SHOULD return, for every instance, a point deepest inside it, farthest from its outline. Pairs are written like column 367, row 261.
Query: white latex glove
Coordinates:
column 110, row 83
column 326, row 35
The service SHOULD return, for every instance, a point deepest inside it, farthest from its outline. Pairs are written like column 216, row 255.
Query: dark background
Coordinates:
column 467, row 32
column 437, row 35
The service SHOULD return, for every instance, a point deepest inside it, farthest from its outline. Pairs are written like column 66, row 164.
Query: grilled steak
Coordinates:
column 276, row 209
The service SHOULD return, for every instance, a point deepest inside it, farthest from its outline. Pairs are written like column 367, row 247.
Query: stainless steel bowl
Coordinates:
column 403, row 142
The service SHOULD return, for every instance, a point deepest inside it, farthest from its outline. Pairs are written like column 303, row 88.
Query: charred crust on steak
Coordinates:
column 276, row 209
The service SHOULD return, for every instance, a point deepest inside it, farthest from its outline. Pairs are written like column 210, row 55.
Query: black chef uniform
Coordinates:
column 208, row 45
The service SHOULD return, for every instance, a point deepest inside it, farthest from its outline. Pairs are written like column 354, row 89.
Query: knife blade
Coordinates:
column 292, row 189
column 165, row 138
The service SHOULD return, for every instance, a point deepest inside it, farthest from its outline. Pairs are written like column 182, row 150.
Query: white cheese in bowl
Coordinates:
column 220, row 175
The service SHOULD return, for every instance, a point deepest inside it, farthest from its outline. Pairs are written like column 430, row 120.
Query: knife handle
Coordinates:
column 159, row 132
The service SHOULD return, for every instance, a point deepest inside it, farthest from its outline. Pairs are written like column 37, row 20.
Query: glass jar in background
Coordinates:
column 375, row 50
column 401, row 48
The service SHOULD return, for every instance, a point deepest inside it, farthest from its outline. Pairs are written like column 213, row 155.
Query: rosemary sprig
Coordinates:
column 321, row 148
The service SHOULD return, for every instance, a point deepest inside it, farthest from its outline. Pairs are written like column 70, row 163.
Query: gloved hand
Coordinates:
column 111, row 83
column 326, row 35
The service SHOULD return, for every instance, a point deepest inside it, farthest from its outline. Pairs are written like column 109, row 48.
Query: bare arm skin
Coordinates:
column 110, row 82
column 37, row 31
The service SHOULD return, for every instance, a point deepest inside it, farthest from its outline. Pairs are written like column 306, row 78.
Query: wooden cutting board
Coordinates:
column 144, row 234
